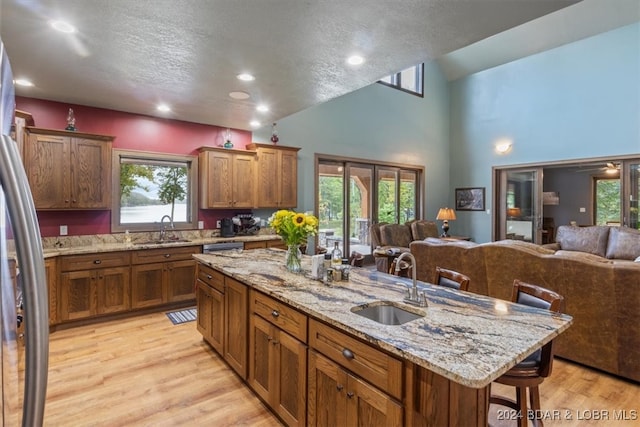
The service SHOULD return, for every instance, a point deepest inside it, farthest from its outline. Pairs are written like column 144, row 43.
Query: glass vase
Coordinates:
column 293, row 258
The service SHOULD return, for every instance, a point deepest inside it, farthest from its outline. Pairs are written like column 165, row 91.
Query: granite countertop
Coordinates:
column 465, row 337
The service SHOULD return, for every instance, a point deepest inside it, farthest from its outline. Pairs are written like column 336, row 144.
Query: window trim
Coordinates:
column 396, row 79
column 149, row 156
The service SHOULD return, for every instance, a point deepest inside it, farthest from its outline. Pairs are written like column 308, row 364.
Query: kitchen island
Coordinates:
column 433, row 370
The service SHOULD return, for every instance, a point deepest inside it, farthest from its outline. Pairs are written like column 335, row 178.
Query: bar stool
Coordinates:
column 532, row 371
column 451, row 279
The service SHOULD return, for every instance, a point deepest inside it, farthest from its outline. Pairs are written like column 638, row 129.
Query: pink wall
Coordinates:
column 133, row 132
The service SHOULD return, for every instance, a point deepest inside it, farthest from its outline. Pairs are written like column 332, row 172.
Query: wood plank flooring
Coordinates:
column 145, row 371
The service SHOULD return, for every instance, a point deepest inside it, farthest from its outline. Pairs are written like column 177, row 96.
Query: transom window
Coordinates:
column 409, row 80
column 148, row 186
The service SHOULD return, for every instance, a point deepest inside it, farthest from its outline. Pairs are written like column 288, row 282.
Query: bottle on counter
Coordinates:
column 346, row 269
column 336, row 256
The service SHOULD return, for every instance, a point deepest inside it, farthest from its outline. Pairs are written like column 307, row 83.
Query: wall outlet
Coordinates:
column 63, row 230
column 200, row 225
column 583, row 210
column 218, row 225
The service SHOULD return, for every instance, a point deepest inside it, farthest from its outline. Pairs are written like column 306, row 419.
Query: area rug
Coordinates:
column 182, row 316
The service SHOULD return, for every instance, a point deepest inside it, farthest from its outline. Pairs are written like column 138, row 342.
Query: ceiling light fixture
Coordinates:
column 23, row 82
column 254, row 124
column 355, row 60
column 63, row 27
column 262, row 108
column 245, row 77
column 239, row 95
column 163, row 108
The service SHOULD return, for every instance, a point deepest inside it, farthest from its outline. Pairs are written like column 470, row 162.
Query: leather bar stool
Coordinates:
column 451, row 279
column 532, row 371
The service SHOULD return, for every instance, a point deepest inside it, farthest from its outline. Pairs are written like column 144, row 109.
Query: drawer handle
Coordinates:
column 97, row 261
column 209, row 276
column 167, row 255
column 275, row 313
column 348, row 354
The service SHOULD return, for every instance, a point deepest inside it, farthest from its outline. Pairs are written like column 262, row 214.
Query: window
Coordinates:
column 607, row 200
column 409, row 80
column 147, row 186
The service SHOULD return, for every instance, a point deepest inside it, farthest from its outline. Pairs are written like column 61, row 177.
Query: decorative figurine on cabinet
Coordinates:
column 71, row 121
column 227, row 139
column 274, row 134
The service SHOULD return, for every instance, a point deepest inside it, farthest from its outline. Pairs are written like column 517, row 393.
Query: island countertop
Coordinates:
column 468, row 338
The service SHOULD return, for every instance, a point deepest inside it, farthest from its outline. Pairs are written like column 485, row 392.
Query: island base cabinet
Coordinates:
column 337, row 398
column 433, row 400
column 236, row 306
column 211, row 315
column 277, row 370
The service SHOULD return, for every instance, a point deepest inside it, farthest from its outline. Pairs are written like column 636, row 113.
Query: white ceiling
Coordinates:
column 130, row 55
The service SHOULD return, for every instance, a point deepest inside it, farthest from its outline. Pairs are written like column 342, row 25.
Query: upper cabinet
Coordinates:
column 68, row 170
column 227, row 178
column 278, row 172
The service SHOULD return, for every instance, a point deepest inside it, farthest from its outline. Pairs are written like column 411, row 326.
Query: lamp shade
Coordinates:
column 446, row 214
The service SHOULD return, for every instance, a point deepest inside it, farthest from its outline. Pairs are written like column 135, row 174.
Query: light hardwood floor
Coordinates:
column 144, row 371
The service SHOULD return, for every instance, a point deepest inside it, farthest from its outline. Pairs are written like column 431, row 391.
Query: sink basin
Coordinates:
column 388, row 313
column 161, row 242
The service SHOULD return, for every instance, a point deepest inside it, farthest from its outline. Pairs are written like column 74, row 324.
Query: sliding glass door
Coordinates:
column 631, row 193
column 519, row 205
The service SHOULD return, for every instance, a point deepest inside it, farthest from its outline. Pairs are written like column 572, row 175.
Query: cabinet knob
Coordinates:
column 97, row 261
column 66, row 201
column 350, row 394
column 275, row 313
column 348, row 354
column 339, row 387
column 275, row 342
column 167, row 255
column 209, row 276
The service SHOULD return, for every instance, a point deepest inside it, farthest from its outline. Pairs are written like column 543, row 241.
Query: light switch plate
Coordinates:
column 200, row 225
column 218, row 225
column 63, row 230
column 583, row 210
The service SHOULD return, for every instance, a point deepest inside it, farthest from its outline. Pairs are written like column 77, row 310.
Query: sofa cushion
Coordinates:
column 592, row 240
column 398, row 235
column 624, row 243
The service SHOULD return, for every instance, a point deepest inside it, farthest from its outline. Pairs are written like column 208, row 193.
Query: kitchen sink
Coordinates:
column 388, row 313
column 161, row 242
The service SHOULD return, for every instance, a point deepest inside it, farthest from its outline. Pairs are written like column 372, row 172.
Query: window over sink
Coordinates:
column 149, row 185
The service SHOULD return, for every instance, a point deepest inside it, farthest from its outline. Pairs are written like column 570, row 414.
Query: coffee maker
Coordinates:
column 226, row 227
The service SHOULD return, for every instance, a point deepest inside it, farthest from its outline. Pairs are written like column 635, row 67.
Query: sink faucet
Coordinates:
column 413, row 297
column 163, row 229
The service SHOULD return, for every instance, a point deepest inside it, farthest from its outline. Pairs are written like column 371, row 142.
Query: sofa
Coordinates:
column 390, row 240
column 596, row 269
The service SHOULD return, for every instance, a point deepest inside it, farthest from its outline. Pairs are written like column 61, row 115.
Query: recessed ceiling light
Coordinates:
column 262, row 108
column 23, row 82
column 63, row 27
column 355, row 60
column 239, row 95
column 164, row 108
column 245, row 77
column 254, row 124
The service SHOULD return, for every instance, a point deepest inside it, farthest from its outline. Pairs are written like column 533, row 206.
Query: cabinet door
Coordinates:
column 327, row 394
column 77, row 294
column 48, row 171
column 288, row 182
column 147, row 285
column 203, row 303
column 114, row 290
column 216, row 180
column 90, row 174
column 180, row 280
column 367, row 405
column 244, row 181
column 268, row 196
column 52, row 288
column 290, row 394
column 262, row 366
column 211, row 316
column 236, row 299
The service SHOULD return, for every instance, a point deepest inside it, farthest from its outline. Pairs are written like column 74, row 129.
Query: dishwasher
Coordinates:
column 222, row 246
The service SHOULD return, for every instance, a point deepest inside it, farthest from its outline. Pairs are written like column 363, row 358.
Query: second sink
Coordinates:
column 388, row 313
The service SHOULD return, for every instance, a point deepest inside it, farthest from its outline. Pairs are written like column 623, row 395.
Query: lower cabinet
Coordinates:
column 338, row 398
column 210, row 298
column 277, row 360
column 51, row 272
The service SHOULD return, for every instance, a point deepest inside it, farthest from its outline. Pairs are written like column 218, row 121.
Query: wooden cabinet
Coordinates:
column 263, row 244
column 277, row 175
column 51, row 272
column 236, row 305
column 210, row 301
column 338, row 398
column 227, row 178
column 94, row 284
column 68, row 170
column 337, row 393
column 278, row 357
column 163, row 275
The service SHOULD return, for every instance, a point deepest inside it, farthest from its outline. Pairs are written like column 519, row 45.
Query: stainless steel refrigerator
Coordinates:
column 23, row 396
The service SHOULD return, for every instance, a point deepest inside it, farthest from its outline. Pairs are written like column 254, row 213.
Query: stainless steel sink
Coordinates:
column 388, row 312
column 161, row 242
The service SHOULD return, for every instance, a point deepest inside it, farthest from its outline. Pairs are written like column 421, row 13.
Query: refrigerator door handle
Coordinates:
column 26, row 231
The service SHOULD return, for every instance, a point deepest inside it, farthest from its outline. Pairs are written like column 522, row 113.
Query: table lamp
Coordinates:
column 446, row 215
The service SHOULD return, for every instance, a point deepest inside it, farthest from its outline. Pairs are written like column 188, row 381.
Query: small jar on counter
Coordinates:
column 346, row 269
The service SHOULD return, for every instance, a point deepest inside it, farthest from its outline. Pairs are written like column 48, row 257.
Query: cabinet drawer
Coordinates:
column 255, row 245
column 377, row 367
column 164, row 254
column 90, row 261
column 284, row 317
column 276, row 244
column 211, row 277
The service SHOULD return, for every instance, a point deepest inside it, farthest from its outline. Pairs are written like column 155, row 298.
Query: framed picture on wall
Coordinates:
column 470, row 199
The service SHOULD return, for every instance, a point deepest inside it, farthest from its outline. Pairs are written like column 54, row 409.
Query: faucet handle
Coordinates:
column 423, row 299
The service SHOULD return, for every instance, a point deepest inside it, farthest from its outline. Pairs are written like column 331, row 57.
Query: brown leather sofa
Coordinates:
column 601, row 291
column 390, row 240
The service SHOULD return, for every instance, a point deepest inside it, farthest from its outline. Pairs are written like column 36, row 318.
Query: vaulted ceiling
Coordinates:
column 131, row 55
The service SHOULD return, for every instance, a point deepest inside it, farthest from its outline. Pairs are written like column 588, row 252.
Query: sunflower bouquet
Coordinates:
column 293, row 227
